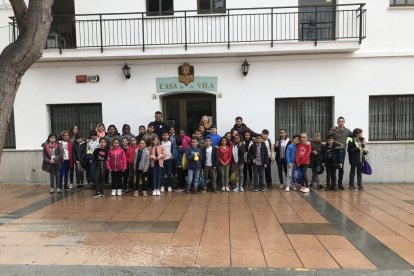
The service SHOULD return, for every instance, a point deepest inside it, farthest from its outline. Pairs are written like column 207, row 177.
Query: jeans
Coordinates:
column 80, row 175
column 258, row 172
column 116, row 180
column 330, row 175
column 289, row 176
column 358, row 168
column 281, row 167
column 140, row 185
column 100, row 171
column 167, row 173
column 54, row 174
column 341, row 171
column 211, row 171
column 71, row 173
column 268, row 174
column 224, row 171
column 156, row 176
column 238, row 169
column 131, row 175
column 248, row 171
column 64, row 173
column 193, row 175
column 304, row 169
column 315, row 178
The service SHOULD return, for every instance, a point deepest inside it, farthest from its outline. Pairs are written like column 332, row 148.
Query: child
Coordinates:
column 180, row 170
column 157, row 155
column 73, row 131
column 116, row 165
column 271, row 154
column 229, row 139
column 209, row 162
column 92, row 144
column 100, row 131
column 315, row 159
column 79, row 151
column 357, row 152
column 280, row 150
column 112, row 134
column 130, row 156
column 149, row 135
column 67, row 160
column 141, row 132
column 125, row 174
column 248, row 168
column 215, row 138
column 200, row 139
column 303, row 151
column 52, row 155
column 186, row 141
column 224, row 156
column 258, row 156
column 194, row 158
column 330, row 158
column 167, row 170
column 141, row 167
column 237, row 159
column 100, row 156
column 126, row 132
column 291, row 160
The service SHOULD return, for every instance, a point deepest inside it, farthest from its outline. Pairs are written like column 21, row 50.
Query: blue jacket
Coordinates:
column 214, row 157
column 215, row 139
column 291, row 154
column 178, row 158
column 193, row 164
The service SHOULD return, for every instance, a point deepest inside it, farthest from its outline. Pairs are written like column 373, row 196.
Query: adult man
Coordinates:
column 159, row 126
column 241, row 128
column 340, row 134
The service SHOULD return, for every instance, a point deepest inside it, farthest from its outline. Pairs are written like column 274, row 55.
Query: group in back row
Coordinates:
column 239, row 158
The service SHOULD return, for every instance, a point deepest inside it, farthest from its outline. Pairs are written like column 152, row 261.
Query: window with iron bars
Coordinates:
column 211, row 6
column 10, row 140
column 394, row 3
column 391, row 118
column 160, row 7
column 309, row 115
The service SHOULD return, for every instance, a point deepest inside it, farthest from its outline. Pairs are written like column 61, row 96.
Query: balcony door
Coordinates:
column 184, row 111
column 317, row 20
column 62, row 33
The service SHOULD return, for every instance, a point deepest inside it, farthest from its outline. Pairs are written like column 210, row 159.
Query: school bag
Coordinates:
column 297, row 175
column 366, row 168
column 184, row 162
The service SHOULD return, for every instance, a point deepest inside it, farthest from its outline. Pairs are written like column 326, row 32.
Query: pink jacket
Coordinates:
column 116, row 160
column 161, row 155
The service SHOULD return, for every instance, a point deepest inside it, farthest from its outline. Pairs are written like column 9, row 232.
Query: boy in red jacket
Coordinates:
column 303, row 152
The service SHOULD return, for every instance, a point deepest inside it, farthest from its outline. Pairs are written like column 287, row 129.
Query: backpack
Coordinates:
column 297, row 175
column 366, row 168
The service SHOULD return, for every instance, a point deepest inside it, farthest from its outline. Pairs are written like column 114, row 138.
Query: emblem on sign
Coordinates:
column 186, row 73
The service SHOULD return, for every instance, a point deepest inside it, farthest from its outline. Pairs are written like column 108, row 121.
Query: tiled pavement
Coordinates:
column 275, row 229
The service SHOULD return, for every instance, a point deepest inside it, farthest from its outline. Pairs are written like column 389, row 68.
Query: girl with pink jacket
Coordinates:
column 157, row 155
column 116, row 164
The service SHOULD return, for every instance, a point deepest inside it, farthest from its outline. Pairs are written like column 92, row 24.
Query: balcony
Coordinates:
column 323, row 28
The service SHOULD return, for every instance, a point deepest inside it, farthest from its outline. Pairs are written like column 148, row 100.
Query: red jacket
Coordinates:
column 224, row 155
column 116, row 160
column 303, row 152
column 130, row 154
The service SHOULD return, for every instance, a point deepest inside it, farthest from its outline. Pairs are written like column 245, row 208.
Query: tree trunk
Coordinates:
column 34, row 24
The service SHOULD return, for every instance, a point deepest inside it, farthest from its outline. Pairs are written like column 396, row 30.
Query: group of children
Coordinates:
column 150, row 160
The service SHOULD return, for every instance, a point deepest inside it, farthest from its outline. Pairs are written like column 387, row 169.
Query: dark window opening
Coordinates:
column 62, row 33
column 391, row 118
column 160, row 7
column 10, row 140
column 211, row 6
column 401, row 3
column 86, row 116
column 317, row 20
column 308, row 115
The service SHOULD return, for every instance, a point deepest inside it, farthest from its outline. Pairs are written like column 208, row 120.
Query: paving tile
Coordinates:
column 351, row 258
column 247, row 257
column 317, row 259
column 19, row 254
column 211, row 257
column 305, row 242
column 274, row 242
column 156, row 239
column 322, row 229
column 336, row 242
column 397, row 243
column 113, row 226
column 179, row 257
column 278, row 258
column 139, row 226
column 296, row 228
column 165, row 226
column 81, row 255
column 127, row 240
column 245, row 240
column 49, row 255
column 99, row 239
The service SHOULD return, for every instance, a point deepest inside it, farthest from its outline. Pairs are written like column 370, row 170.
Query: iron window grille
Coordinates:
column 391, row 118
column 396, row 3
column 211, row 6
column 308, row 115
column 160, row 7
column 85, row 116
column 10, row 140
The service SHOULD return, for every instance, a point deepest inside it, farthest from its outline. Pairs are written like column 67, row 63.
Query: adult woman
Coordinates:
column 205, row 122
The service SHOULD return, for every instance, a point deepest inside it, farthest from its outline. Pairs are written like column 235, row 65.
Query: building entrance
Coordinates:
column 184, row 111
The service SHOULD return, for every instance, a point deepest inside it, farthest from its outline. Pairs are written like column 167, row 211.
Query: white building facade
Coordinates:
column 311, row 61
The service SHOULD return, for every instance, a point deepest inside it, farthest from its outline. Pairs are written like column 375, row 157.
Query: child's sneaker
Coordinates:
column 263, row 190
column 361, row 188
column 301, row 189
column 255, row 190
column 241, row 189
column 287, row 188
column 52, row 191
column 321, row 187
column 70, row 186
column 113, row 192
column 144, row 193
column 306, row 190
column 119, row 192
column 227, row 189
column 281, row 186
column 169, row 189
column 236, row 189
column 294, row 188
column 162, row 189
column 158, row 192
column 59, row 190
column 187, row 191
column 154, row 193
column 135, row 194
column 223, row 188
column 96, row 195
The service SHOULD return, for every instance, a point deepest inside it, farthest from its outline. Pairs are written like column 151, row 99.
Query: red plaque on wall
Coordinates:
column 81, row 78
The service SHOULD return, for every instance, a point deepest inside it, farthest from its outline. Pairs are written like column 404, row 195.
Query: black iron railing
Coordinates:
column 272, row 25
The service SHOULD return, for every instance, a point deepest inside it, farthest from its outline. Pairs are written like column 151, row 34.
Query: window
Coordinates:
column 401, row 3
column 10, row 142
column 211, row 6
column 86, row 116
column 391, row 118
column 308, row 115
column 62, row 32
column 317, row 22
column 160, row 7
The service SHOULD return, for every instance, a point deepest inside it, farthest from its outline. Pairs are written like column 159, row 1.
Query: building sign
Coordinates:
column 199, row 84
column 186, row 73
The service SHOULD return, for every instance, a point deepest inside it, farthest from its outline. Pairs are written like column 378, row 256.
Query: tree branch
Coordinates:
column 20, row 12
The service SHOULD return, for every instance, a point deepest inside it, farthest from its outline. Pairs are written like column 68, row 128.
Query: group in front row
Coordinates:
column 159, row 160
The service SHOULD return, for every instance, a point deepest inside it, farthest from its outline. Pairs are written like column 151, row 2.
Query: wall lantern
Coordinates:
column 245, row 67
column 127, row 71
